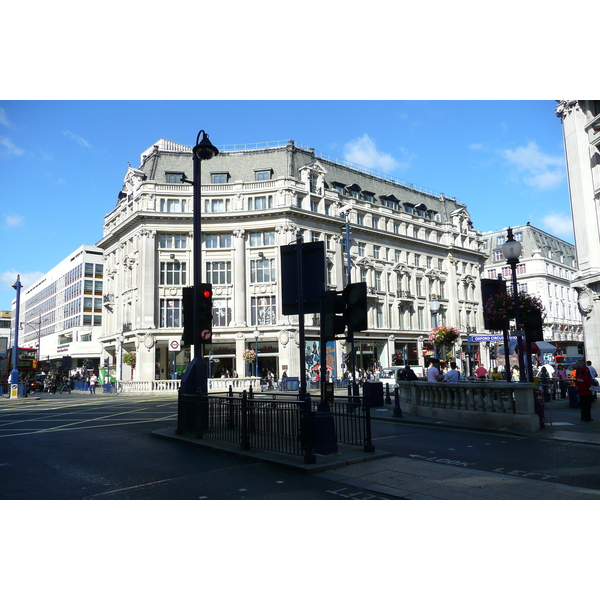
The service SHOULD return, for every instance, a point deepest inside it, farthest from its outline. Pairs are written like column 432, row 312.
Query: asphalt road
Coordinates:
column 100, row 447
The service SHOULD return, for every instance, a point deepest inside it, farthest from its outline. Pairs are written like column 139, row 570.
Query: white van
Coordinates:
column 390, row 374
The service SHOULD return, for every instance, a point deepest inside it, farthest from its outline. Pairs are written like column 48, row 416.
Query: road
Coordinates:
column 100, row 448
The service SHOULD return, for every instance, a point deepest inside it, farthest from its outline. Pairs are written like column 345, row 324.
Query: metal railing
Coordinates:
column 271, row 424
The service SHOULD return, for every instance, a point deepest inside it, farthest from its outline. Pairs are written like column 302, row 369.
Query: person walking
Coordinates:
column 562, row 381
column 93, row 381
column 583, row 381
column 65, row 385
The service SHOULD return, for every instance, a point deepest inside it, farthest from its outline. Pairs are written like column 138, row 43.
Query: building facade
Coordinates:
column 61, row 313
column 581, row 130
column 547, row 267
column 409, row 245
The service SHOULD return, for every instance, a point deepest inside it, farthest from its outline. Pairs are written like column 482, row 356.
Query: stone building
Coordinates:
column 581, row 128
column 410, row 245
column 546, row 269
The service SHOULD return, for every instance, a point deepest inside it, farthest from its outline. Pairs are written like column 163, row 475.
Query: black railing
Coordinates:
column 285, row 426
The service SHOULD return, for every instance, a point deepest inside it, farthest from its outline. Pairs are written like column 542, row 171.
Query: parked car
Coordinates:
column 37, row 384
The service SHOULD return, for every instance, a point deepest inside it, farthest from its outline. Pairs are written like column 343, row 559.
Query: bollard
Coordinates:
column 397, row 408
column 388, row 400
column 306, row 431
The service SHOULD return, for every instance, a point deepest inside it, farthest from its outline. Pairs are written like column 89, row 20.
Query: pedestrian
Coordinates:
column 433, row 373
column 93, row 380
column 583, row 381
column 407, row 374
column 592, row 370
column 453, row 375
column 544, row 382
column 65, row 385
column 481, row 372
column 562, row 381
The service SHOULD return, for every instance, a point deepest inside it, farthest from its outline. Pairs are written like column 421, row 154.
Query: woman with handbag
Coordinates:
column 583, row 381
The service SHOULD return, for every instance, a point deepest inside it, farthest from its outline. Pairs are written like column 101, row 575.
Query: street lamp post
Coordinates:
column 121, row 342
column 14, row 374
column 195, row 380
column 256, row 334
column 434, row 307
column 512, row 250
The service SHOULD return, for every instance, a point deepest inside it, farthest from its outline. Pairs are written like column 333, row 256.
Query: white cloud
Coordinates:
column 13, row 220
column 559, row 224
column 538, row 170
column 8, row 278
column 3, row 118
column 363, row 152
column 10, row 148
column 76, row 138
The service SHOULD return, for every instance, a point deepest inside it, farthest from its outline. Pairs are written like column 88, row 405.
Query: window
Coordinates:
column 97, row 288
column 397, row 255
column 429, row 262
column 441, row 264
column 339, row 187
column 376, row 251
column 174, row 177
column 360, row 219
column 173, row 273
column 409, row 208
column 98, row 271
column 218, row 272
column 222, row 177
column 500, row 240
column 264, row 310
column 262, row 271
column 262, row 175
column 519, row 236
column 170, row 240
column 262, row 238
column 221, row 312
column 218, row 240
column 491, row 274
column 420, row 316
column 375, row 223
column 260, row 203
column 378, row 281
column 361, row 248
column 498, row 255
column 417, row 260
column 88, row 270
column 314, row 205
column 312, row 179
column 217, row 205
column 419, row 286
column 88, row 286
column 170, row 313
column 170, row 205
column 379, row 315
column 363, row 275
column 368, row 196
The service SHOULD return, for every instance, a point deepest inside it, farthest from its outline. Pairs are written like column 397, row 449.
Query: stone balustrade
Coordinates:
column 171, row 386
column 473, row 403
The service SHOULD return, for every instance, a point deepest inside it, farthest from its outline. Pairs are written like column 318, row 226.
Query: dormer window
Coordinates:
column 262, row 174
column 409, row 208
column 369, row 196
column 219, row 177
column 174, row 177
column 339, row 187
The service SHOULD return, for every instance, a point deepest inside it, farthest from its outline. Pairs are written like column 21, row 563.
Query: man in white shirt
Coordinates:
column 593, row 371
column 453, row 375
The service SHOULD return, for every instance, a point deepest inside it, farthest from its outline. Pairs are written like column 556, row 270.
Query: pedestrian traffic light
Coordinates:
column 332, row 319
column 493, row 352
column 205, row 312
column 355, row 313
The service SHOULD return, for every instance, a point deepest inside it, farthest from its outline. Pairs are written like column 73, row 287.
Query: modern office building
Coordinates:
column 410, row 245
column 546, row 269
column 581, row 129
column 61, row 313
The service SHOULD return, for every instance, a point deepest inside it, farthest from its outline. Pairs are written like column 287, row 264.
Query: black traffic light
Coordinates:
column 187, row 339
column 332, row 319
column 355, row 299
column 205, row 312
column 493, row 352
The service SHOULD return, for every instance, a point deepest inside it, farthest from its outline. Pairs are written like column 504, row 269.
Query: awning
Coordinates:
column 512, row 344
column 543, row 347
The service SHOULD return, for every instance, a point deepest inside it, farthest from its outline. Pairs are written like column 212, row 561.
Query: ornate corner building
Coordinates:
column 409, row 244
column 581, row 129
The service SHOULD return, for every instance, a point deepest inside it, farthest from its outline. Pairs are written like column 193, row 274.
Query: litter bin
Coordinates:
column 291, row 384
column 573, row 397
column 373, row 393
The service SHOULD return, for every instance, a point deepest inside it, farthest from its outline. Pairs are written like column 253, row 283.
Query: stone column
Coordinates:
column 239, row 284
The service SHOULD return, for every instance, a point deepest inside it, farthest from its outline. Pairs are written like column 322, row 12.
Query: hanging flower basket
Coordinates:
column 500, row 309
column 443, row 335
column 129, row 359
column 249, row 356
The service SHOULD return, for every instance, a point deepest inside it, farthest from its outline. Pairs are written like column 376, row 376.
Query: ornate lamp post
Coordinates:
column 14, row 374
column 512, row 251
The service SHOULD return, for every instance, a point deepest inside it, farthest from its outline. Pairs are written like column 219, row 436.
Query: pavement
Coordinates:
column 410, row 479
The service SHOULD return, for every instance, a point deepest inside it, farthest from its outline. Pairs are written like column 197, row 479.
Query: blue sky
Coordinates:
column 62, row 162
